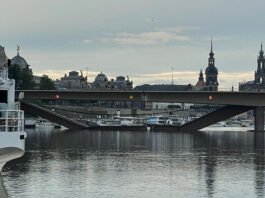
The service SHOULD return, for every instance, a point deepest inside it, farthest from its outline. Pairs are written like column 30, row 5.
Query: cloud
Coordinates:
column 217, row 38
column 151, row 20
column 57, row 74
column 87, row 41
column 178, row 29
column 169, row 74
column 158, row 36
column 226, row 80
column 148, row 38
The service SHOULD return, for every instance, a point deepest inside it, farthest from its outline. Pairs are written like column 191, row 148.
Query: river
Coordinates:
column 137, row 164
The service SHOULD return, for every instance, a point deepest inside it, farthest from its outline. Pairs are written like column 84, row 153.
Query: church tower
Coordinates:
column 211, row 72
column 200, row 85
column 201, row 76
column 260, row 73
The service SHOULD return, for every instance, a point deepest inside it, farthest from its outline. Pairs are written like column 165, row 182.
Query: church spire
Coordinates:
column 211, row 53
column 261, row 52
column 211, row 43
column 201, row 76
column 18, row 48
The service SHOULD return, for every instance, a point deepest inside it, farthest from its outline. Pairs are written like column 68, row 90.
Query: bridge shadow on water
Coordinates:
column 211, row 154
column 259, row 163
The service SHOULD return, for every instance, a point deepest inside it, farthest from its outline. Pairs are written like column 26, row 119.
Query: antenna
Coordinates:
column 211, row 43
column 172, row 76
column 87, row 72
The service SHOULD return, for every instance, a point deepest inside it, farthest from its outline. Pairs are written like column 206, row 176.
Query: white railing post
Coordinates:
column 12, row 121
column 6, row 123
column 22, row 120
column 18, row 121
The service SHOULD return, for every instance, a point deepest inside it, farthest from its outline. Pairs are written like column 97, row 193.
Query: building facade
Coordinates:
column 200, row 85
column 19, row 60
column 72, row 81
column 258, row 84
column 102, row 82
column 211, row 73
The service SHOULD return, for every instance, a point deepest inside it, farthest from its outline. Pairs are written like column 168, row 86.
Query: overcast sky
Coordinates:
column 139, row 38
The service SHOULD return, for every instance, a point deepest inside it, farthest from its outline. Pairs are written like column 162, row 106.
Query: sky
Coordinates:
column 143, row 39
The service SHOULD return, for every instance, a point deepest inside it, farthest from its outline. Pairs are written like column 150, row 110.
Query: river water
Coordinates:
column 137, row 164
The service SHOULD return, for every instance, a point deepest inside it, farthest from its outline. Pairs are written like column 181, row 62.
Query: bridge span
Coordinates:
column 235, row 102
column 221, row 98
column 52, row 116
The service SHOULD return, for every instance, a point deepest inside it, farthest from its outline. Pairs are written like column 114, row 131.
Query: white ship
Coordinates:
column 12, row 134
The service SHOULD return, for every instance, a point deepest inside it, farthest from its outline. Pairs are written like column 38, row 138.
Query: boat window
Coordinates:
column 3, row 96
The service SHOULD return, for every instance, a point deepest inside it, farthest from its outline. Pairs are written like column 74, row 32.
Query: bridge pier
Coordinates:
column 259, row 118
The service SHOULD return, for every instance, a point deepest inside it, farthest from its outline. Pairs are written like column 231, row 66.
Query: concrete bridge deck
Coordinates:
column 52, row 116
column 240, row 101
column 223, row 98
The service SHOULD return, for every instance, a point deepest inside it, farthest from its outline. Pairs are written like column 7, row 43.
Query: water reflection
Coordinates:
column 259, row 163
column 210, row 176
column 202, row 164
column 3, row 193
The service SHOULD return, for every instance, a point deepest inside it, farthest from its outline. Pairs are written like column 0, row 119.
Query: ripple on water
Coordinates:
column 137, row 164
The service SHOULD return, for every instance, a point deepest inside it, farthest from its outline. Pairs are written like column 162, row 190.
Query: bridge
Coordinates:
column 235, row 102
column 52, row 116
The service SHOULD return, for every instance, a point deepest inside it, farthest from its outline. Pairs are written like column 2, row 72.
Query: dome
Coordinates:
column 18, row 60
column 211, row 70
column 101, row 78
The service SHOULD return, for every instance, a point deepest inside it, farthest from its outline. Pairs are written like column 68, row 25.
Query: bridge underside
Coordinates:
column 214, row 117
column 51, row 116
column 223, row 114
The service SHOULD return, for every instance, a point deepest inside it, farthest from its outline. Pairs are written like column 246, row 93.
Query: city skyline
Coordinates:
column 140, row 39
column 179, row 77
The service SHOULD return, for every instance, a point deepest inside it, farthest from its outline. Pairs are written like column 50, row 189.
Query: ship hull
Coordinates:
column 12, row 146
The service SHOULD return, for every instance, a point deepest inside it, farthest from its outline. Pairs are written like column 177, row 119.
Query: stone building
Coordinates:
column 200, row 85
column 73, row 81
column 101, row 82
column 19, row 60
column 163, row 87
column 211, row 73
column 258, row 84
column 121, row 84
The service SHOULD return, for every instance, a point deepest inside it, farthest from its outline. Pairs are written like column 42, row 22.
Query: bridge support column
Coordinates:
column 259, row 118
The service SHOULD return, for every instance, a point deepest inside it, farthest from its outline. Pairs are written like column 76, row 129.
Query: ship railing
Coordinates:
column 11, row 121
column 3, row 73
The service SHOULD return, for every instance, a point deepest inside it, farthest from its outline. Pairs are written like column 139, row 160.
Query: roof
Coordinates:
column 200, row 83
column 163, row 87
column 19, row 60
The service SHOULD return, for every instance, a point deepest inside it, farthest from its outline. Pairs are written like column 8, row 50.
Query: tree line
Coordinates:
column 25, row 80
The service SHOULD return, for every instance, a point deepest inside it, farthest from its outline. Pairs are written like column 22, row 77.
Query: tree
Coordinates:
column 22, row 76
column 46, row 83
